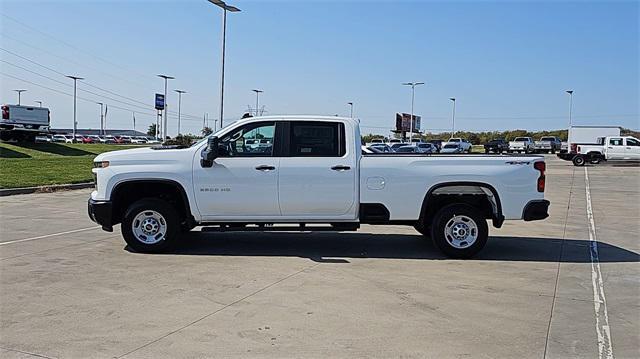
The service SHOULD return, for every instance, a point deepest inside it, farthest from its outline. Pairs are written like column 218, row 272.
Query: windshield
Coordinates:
column 548, row 139
column 451, row 146
column 521, row 139
column 454, row 140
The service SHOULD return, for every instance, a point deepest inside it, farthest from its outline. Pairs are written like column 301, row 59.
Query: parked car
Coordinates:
column 83, row 139
column 407, row 149
column 396, row 145
column 497, row 145
column 522, row 144
column 62, row 138
column 138, row 139
column 96, row 139
column 371, row 150
column 43, row 139
column 452, row 148
column 464, row 144
column 382, row 147
column 437, row 143
column 152, row 140
column 110, row 139
column 611, row 148
column 548, row 144
column 310, row 177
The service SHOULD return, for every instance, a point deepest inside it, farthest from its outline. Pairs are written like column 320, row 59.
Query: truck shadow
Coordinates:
column 9, row 153
column 338, row 248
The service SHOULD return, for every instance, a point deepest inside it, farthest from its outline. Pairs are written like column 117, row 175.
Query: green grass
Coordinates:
column 40, row 164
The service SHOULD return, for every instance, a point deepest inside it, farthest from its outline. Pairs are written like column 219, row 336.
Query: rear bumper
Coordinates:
column 536, row 210
column 24, row 127
column 100, row 212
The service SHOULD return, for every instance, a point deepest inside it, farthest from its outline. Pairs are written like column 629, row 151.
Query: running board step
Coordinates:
column 267, row 227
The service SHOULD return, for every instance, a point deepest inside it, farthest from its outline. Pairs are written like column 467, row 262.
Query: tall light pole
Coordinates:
column 101, row 118
column 225, row 8
column 351, row 111
column 453, row 116
column 164, row 125
column 19, row 92
column 39, row 103
column 570, row 92
column 257, row 95
column 180, row 92
column 413, row 90
column 75, row 123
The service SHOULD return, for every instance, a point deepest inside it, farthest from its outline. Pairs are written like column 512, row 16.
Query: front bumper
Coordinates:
column 100, row 212
column 536, row 210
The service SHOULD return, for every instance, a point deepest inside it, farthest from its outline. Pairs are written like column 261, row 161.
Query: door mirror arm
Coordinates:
column 211, row 152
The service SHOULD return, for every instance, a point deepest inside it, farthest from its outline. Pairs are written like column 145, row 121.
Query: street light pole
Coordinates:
column 453, row 116
column 180, row 92
column 101, row 118
column 351, row 111
column 570, row 92
column 19, row 92
column 39, row 103
column 75, row 122
column 413, row 88
column 257, row 94
column 165, row 114
column 225, row 8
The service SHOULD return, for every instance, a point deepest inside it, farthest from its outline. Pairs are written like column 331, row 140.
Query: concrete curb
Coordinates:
column 44, row 189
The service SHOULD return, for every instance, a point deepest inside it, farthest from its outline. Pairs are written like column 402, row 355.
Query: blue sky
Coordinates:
column 507, row 63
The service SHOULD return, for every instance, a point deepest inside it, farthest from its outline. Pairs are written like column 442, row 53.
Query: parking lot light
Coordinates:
column 19, row 92
column 413, row 90
column 225, row 8
column 570, row 92
column 75, row 122
column 453, row 116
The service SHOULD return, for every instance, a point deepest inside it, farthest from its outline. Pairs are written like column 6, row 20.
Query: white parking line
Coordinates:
column 49, row 235
column 605, row 349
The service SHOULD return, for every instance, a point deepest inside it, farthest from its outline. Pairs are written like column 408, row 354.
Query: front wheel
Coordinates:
column 459, row 231
column 150, row 225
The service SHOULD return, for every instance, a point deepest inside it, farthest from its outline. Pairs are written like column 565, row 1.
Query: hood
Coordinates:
column 145, row 155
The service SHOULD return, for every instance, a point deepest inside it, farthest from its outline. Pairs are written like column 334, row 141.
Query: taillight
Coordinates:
column 540, row 166
column 5, row 112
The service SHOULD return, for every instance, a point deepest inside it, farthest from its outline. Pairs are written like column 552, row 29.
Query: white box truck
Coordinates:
column 586, row 135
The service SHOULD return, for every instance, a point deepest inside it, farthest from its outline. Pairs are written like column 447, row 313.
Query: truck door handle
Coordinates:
column 610, row 148
column 340, row 168
column 265, row 168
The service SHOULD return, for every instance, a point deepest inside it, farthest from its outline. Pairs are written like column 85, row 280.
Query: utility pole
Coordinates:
column 165, row 113
column 19, row 92
column 39, row 103
column 413, row 89
column 225, row 8
column 180, row 92
column 453, row 116
column 570, row 92
column 75, row 122
column 101, row 118
column 351, row 105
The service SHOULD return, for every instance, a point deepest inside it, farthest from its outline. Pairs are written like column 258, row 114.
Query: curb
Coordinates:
column 44, row 189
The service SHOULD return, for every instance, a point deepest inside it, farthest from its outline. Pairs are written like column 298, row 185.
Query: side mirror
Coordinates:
column 211, row 152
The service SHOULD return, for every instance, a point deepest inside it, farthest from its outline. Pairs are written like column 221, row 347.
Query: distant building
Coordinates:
column 84, row 131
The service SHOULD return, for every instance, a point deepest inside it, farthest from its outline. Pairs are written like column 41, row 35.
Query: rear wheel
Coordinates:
column 459, row 230
column 578, row 161
column 150, row 225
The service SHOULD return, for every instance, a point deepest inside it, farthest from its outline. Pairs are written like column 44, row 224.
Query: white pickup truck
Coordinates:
column 611, row 148
column 464, row 145
column 522, row 144
column 312, row 176
column 23, row 123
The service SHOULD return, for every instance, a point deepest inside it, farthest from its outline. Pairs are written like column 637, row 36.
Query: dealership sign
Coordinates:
column 403, row 122
column 159, row 101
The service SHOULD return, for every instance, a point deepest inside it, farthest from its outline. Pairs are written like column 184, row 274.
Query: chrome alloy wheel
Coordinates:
column 461, row 232
column 149, row 227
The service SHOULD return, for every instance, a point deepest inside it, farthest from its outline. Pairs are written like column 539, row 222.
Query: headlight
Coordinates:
column 101, row 164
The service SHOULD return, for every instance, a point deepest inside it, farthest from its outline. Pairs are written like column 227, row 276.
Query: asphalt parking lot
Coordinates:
column 539, row 289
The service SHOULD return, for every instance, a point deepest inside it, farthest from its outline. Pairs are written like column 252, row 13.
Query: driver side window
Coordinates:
column 251, row 140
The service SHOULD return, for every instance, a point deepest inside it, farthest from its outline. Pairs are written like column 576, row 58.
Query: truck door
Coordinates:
column 632, row 150
column 243, row 181
column 615, row 149
column 317, row 177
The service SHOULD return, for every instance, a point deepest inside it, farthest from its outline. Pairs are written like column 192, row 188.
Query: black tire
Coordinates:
column 470, row 217
column 595, row 160
column 553, row 151
column 5, row 136
column 578, row 161
column 171, row 223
